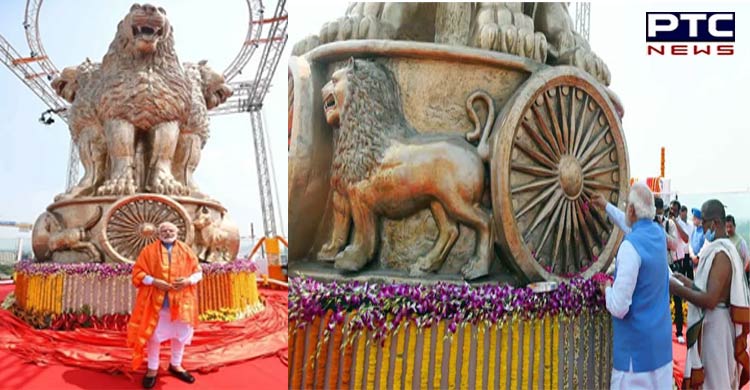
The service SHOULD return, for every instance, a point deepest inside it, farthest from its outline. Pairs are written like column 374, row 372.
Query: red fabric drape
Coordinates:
column 215, row 344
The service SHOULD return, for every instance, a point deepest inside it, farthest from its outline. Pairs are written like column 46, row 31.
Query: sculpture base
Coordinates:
column 115, row 229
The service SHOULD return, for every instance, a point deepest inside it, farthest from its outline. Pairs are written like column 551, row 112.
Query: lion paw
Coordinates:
column 589, row 62
column 305, row 45
column 512, row 40
column 123, row 184
column 349, row 260
column 162, row 182
column 75, row 192
column 427, row 263
column 328, row 252
column 475, row 268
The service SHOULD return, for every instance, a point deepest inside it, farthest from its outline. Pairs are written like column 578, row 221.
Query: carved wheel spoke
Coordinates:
column 565, row 145
column 133, row 222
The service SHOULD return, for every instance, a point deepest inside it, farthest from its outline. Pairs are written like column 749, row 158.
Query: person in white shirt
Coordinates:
column 740, row 244
column 680, row 256
column 639, row 298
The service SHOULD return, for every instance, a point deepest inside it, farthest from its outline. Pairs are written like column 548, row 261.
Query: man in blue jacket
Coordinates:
column 639, row 298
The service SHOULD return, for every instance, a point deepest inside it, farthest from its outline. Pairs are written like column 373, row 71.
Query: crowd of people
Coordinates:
column 705, row 264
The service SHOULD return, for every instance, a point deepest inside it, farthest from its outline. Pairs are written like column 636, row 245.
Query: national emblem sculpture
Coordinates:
column 139, row 120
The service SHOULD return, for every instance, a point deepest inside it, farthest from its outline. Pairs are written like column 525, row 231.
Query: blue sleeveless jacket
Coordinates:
column 644, row 335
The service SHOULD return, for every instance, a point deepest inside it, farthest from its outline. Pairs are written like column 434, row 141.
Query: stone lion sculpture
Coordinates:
column 208, row 90
column 139, row 104
column 77, row 86
column 383, row 167
column 543, row 32
column 142, row 94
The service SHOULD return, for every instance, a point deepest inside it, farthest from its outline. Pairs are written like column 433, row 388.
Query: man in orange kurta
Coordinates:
column 166, row 305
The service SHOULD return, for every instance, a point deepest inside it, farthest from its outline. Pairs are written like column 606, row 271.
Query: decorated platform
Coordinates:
column 65, row 296
column 356, row 335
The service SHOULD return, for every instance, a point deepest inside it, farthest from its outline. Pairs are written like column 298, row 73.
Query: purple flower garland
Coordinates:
column 380, row 308
column 109, row 270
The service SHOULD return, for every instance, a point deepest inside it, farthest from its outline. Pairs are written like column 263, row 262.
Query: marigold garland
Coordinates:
column 465, row 357
column 479, row 374
column 348, row 353
column 321, row 363
column 299, row 357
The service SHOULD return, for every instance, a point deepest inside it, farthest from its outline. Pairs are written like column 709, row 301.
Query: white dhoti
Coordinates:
column 713, row 334
column 179, row 332
column 659, row 379
column 717, row 350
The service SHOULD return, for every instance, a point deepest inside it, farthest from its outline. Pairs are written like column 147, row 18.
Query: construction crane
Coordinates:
column 583, row 19
column 265, row 35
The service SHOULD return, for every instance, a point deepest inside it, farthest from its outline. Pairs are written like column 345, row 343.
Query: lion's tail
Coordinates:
column 477, row 134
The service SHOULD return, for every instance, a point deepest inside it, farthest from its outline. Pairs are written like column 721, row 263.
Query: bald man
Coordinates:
column 718, row 310
column 166, row 306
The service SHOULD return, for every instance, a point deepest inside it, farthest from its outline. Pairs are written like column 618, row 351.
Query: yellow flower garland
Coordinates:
column 426, row 349
column 385, row 366
column 410, row 353
column 503, row 354
column 452, row 363
column 527, row 330
column 371, row 362
column 439, row 341
column 479, row 375
column 359, row 372
column 465, row 356
column 537, row 353
column 491, row 383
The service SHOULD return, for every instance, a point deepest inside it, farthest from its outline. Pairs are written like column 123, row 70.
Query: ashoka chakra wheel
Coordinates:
column 131, row 224
column 556, row 143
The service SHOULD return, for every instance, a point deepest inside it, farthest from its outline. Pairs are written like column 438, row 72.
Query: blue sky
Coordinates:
column 33, row 157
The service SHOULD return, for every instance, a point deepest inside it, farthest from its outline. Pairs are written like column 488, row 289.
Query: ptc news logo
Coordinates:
column 690, row 33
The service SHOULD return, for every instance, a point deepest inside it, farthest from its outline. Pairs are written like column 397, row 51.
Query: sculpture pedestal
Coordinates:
column 112, row 229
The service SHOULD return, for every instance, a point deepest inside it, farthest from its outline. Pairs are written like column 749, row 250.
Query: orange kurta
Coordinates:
column 183, row 305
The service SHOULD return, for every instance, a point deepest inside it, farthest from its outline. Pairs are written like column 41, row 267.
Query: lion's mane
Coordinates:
column 371, row 117
column 142, row 89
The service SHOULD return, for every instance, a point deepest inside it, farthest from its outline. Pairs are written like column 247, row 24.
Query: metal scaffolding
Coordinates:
column 583, row 19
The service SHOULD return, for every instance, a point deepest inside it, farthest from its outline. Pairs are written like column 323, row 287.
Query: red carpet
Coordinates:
column 215, row 366
column 678, row 353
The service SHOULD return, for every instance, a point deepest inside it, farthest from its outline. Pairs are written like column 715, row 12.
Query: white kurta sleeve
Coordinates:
column 620, row 295
column 196, row 277
column 618, row 217
column 686, row 227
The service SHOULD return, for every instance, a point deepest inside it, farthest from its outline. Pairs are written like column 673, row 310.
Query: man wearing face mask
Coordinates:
column 639, row 298
column 718, row 310
column 696, row 238
column 166, row 306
